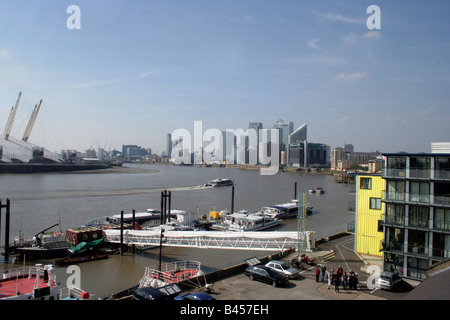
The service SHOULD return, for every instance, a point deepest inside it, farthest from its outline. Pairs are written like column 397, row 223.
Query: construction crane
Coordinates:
column 30, row 125
column 12, row 115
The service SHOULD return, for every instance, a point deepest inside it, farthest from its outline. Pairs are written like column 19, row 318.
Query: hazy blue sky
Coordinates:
column 137, row 70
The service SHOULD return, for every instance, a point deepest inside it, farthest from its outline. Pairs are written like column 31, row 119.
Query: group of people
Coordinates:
column 337, row 278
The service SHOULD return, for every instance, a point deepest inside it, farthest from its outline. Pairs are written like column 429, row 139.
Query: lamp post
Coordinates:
column 7, row 206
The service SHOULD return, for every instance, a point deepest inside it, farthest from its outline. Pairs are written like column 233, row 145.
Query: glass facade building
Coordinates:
column 416, row 220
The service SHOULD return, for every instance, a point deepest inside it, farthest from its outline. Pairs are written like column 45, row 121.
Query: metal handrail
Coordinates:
column 167, row 272
column 36, row 272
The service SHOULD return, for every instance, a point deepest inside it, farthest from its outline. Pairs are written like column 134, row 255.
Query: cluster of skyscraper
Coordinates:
column 239, row 147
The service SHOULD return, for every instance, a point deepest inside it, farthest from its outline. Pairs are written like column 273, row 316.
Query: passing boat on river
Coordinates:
column 219, row 183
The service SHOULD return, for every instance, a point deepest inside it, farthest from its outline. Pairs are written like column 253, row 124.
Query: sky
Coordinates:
column 137, row 70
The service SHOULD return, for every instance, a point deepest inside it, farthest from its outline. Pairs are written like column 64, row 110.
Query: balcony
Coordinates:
column 393, row 246
column 442, row 200
column 393, row 196
column 415, row 198
column 415, row 173
column 393, row 220
column 351, row 206
column 442, row 174
column 393, row 173
column 441, row 225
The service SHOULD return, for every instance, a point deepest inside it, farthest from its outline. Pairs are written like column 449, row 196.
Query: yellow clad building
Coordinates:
column 369, row 213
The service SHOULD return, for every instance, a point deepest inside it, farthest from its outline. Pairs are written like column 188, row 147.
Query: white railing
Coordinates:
column 258, row 240
column 170, row 273
column 36, row 272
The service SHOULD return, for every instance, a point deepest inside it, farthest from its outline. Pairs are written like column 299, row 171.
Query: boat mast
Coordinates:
column 12, row 115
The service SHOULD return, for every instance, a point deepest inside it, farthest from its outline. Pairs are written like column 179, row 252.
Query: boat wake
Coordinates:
column 95, row 193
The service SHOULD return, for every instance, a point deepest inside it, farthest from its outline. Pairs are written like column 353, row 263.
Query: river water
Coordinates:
column 38, row 201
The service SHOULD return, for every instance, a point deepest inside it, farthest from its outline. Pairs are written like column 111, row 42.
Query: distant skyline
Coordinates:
column 137, row 70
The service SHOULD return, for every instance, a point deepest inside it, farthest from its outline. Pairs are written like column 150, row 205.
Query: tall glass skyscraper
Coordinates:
column 286, row 128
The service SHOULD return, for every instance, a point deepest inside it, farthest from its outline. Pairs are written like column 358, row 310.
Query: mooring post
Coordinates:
column 232, row 200
column 121, row 233
column 295, row 190
column 163, row 213
column 134, row 228
column 170, row 205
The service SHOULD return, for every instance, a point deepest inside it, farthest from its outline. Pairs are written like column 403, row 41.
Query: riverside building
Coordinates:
column 416, row 220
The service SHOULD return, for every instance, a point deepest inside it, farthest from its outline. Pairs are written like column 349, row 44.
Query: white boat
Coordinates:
column 147, row 218
column 219, row 183
column 246, row 222
column 29, row 283
column 180, row 220
column 169, row 273
column 318, row 190
column 284, row 210
column 140, row 217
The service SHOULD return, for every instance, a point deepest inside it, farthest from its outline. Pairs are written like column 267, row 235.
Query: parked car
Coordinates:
column 388, row 280
column 194, row 296
column 283, row 268
column 164, row 293
column 265, row 274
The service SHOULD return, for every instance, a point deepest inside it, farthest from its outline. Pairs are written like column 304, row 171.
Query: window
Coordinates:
column 442, row 193
column 418, row 216
column 396, row 166
column 442, row 168
column 420, row 167
column 442, row 219
column 365, row 183
column 441, row 245
column 395, row 190
column 396, row 162
column 419, row 191
column 375, row 203
column 418, row 241
column 395, row 214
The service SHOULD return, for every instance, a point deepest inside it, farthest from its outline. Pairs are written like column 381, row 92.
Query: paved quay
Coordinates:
column 334, row 253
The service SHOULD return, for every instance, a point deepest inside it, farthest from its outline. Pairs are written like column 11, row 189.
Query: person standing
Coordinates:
column 317, row 274
column 330, row 275
column 336, row 282
column 344, row 280
column 324, row 269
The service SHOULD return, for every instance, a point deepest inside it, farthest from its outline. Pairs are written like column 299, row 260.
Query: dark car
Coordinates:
column 194, row 296
column 265, row 274
column 164, row 293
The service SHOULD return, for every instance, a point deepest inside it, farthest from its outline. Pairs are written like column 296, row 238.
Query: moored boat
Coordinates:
column 147, row 218
column 242, row 221
column 80, row 259
column 29, row 283
column 284, row 210
column 169, row 273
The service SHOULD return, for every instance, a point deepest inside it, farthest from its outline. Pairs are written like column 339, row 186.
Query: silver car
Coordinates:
column 283, row 268
column 388, row 280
